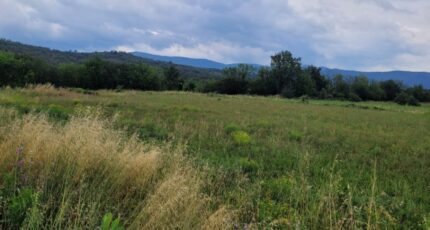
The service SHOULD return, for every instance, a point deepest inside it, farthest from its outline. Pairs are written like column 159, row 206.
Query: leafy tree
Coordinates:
column 391, row 88
column 285, row 70
column 320, row 81
column 360, row 86
column 340, row 87
column 173, row 80
column 419, row 93
column 305, row 85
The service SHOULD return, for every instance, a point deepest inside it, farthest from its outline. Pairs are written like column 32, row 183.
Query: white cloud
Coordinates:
column 218, row 51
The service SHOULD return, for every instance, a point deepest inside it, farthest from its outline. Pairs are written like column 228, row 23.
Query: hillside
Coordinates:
column 56, row 57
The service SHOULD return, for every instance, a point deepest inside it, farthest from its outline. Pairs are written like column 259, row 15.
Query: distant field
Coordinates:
column 277, row 162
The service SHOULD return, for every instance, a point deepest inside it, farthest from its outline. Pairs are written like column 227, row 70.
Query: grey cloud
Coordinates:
column 367, row 34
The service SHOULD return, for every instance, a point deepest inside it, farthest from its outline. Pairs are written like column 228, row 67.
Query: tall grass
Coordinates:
column 70, row 176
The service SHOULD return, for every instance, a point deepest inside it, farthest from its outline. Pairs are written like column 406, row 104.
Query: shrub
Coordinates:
column 406, row 99
column 241, row 138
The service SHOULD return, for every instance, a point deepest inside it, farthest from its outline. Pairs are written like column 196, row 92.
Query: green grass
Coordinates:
column 284, row 163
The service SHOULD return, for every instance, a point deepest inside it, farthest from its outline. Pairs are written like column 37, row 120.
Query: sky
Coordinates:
column 367, row 35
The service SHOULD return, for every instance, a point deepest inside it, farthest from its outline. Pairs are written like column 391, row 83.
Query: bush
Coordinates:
column 241, row 137
column 406, row 99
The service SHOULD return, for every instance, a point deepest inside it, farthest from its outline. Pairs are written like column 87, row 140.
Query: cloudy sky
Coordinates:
column 352, row 34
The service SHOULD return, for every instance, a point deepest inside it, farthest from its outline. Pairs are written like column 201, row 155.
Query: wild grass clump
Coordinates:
column 83, row 174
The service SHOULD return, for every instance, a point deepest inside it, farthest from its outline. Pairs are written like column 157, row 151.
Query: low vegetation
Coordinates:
column 210, row 160
column 84, row 175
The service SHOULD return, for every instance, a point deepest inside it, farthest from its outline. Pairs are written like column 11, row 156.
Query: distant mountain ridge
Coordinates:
column 407, row 77
column 194, row 62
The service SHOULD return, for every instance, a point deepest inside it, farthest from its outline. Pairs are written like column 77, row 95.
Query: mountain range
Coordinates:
column 407, row 77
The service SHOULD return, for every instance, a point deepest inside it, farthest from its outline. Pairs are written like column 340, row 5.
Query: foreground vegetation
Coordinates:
column 276, row 163
column 84, row 175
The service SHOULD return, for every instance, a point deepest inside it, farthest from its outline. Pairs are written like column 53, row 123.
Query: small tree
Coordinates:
column 173, row 80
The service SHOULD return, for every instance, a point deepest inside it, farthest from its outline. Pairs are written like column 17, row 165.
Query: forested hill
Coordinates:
column 53, row 56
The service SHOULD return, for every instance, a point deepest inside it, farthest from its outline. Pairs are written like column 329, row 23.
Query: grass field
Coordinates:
column 271, row 162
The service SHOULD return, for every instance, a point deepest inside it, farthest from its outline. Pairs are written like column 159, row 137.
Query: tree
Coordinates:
column 419, row 93
column 360, row 86
column 285, row 70
column 320, row 81
column 391, row 89
column 235, row 80
column 173, row 80
column 341, row 88
column 305, row 85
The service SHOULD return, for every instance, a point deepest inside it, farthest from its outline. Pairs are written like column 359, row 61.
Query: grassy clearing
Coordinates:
column 279, row 163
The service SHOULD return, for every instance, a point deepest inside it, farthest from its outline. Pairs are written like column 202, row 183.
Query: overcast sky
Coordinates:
column 352, row 34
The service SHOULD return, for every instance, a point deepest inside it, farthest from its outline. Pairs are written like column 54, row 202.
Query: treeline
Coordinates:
column 18, row 70
column 286, row 77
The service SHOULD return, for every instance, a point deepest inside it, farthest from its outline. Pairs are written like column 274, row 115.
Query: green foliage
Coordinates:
column 18, row 206
column 15, row 198
column 173, row 80
column 241, row 137
column 108, row 224
column 406, row 99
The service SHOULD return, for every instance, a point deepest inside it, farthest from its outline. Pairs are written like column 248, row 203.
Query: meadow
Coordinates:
column 222, row 161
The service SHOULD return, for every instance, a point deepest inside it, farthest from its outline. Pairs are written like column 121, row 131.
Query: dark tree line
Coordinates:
column 95, row 73
column 286, row 77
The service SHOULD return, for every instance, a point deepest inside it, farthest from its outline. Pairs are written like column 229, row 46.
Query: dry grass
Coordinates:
column 84, row 169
